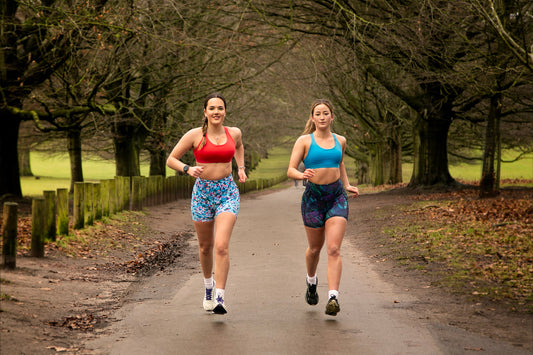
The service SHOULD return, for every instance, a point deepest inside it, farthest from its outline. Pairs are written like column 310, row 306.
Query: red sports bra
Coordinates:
column 212, row 153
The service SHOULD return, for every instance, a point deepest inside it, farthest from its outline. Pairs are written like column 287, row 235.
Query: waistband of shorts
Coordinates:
column 226, row 179
column 326, row 186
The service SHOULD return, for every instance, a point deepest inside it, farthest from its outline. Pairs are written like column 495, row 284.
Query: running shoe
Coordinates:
column 209, row 302
column 220, row 308
column 310, row 295
column 332, row 308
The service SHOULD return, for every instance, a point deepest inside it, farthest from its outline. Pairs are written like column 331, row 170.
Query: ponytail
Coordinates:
column 204, row 132
column 309, row 127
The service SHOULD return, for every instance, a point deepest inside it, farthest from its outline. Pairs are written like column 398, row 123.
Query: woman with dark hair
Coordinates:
column 215, row 196
column 324, row 202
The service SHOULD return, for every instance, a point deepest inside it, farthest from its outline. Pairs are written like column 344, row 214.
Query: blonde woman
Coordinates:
column 215, row 197
column 324, row 202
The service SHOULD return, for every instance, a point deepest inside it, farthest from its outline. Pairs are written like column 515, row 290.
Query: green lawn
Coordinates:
column 54, row 171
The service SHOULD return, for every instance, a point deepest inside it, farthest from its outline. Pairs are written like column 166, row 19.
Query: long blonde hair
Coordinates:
column 310, row 125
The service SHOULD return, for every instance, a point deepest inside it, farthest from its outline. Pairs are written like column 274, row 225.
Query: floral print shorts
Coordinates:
column 320, row 202
column 212, row 197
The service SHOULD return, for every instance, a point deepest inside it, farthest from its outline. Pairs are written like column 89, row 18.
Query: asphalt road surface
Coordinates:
column 267, row 312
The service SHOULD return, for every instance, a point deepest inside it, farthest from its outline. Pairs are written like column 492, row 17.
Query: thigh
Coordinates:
column 224, row 227
column 335, row 230
column 204, row 232
column 315, row 237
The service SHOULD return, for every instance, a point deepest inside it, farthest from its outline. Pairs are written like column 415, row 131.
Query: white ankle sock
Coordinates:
column 333, row 293
column 311, row 280
column 208, row 282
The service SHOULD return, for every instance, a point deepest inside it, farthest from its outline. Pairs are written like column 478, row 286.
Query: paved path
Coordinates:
column 265, row 297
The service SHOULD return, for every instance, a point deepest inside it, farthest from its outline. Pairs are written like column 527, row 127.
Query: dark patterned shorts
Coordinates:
column 320, row 202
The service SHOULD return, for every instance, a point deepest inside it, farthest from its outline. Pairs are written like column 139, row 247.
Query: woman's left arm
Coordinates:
column 239, row 154
column 343, row 175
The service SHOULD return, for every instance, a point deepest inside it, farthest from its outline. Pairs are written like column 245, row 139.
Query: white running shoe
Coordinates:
column 209, row 298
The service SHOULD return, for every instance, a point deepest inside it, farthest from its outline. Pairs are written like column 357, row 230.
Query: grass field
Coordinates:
column 54, row 171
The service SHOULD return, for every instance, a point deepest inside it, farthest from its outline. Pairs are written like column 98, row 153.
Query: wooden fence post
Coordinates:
column 126, row 185
column 37, row 227
column 119, row 194
column 62, row 211
column 88, row 203
column 161, row 189
column 97, row 201
column 137, row 193
column 79, row 205
column 152, row 190
column 9, row 235
column 123, row 192
column 112, row 196
column 104, row 194
column 50, row 225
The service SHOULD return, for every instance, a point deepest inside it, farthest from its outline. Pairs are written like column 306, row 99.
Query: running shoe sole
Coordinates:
column 332, row 308
column 311, row 297
column 220, row 309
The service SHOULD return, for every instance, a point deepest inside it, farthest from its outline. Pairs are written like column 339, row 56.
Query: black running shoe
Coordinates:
column 332, row 308
column 311, row 296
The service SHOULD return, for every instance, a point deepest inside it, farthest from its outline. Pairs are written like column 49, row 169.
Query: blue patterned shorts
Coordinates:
column 212, row 197
column 320, row 202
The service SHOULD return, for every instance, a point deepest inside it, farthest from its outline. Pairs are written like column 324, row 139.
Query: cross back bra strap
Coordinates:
column 212, row 153
column 318, row 157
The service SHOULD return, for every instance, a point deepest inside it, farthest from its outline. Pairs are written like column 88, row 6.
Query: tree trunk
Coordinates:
column 127, row 147
column 395, row 166
column 376, row 165
column 386, row 161
column 362, row 172
column 489, row 184
column 24, row 162
column 9, row 163
column 431, row 158
column 75, row 155
column 158, row 163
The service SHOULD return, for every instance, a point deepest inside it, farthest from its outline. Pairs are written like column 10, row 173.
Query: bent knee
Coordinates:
column 221, row 250
column 334, row 251
column 314, row 250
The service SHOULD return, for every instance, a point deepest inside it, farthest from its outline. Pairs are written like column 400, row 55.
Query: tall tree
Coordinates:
column 36, row 39
column 509, row 26
column 415, row 41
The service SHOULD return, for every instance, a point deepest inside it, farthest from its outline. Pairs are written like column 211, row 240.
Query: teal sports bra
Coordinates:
column 318, row 157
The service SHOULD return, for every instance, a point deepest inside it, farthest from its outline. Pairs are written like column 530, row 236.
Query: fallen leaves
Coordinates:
column 61, row 349
column 483, row 247
column 84, row 322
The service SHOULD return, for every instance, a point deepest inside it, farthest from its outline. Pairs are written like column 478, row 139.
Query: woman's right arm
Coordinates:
column 297, row 155
column 185, row 143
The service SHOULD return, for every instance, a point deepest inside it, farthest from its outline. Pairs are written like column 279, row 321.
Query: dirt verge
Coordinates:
column 53, row 304
column 370, row 215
